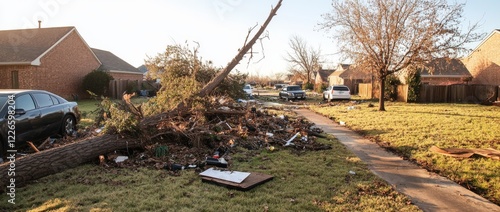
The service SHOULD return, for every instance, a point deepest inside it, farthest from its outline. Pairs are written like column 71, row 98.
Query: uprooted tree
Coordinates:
column 40, row 164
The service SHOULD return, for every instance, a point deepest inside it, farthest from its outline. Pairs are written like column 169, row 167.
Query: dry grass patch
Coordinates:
column 411, row 129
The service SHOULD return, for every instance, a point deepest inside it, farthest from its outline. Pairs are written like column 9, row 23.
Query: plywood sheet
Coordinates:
column 253, row 180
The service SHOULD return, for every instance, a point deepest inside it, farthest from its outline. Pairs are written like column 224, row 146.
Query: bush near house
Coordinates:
column 97, row 82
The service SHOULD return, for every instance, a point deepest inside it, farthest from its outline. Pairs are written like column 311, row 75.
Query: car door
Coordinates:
column 27, row 118
column 50, row 115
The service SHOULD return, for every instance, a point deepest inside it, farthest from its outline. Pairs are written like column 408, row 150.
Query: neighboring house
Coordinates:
column 484, row 61
column 116, row 67
column 444, row 71
column 52, row 59
column 144, row 70
column 349, row 75
column 321, row 76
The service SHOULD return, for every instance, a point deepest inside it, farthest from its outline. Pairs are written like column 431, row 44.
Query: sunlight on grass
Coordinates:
column 411, row 129
column 303, row 181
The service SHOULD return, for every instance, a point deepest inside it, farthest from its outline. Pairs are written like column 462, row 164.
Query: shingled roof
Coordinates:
column 113, row 63
column 28, row 46
column 445, row 67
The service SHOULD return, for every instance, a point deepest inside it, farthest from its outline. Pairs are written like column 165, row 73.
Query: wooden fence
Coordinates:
column 118, row 87
column 459, row 93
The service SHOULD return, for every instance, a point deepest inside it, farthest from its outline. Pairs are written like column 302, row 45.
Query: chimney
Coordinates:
column 39, row 24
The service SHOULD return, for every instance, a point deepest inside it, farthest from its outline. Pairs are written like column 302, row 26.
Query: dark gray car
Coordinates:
column 34, row 115
column 292, row 92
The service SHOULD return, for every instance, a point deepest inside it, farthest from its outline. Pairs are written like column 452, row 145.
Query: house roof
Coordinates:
column 28, row 46
column 342, row 71
column 143, row 69
column 324, row 73
column 445, row 67
column 113, row 63
column 484, row 40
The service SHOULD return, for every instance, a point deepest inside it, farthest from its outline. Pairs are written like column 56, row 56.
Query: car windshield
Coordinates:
column 293, row 88
column 247, row 87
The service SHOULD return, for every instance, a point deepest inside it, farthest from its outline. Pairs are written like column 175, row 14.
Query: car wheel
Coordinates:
column 324, row 98
column 68, row 126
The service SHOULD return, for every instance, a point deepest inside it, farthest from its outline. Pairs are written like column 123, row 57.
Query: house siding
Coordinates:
column 61, row 71
column 484, row 62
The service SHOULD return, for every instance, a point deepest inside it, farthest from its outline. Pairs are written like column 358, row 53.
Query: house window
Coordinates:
column 15, row 79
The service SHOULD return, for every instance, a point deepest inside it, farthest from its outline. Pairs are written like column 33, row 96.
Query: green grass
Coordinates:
column 411, row 129
column 303, row 181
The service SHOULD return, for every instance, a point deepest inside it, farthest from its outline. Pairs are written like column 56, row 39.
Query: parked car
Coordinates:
column 279, row 86
column 37, row 115
column 292, row 92
column 248, row 89
column 337, row 92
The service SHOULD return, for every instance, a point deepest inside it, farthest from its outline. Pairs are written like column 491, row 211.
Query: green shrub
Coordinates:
column 391, row 87
column 97, row 82
column 414, row 82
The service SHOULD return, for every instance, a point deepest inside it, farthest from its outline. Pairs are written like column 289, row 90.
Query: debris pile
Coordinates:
column 228, row 125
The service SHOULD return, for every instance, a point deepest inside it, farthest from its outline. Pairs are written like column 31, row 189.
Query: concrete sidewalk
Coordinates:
column 430, row 192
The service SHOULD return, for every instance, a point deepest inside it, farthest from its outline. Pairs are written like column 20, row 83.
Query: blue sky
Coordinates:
column 134, row 29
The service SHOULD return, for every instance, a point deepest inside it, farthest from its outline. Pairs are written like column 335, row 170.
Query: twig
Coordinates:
column 33, row 146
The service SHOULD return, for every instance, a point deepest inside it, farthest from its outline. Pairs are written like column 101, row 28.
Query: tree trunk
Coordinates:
column 246, row 47
column 51, row 161
column 40, row 164
column 381, row 106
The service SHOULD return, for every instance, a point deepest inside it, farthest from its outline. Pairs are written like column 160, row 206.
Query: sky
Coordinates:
column 135, row 30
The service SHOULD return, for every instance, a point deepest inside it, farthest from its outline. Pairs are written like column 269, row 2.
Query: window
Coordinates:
column 15, row 79
column 43, row 100
column 54, row 100
column 25, row 102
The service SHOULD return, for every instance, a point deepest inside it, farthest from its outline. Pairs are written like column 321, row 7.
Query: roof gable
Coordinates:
column 27, row 46
column 484, row 41
column 113, row 63
column 324, row 73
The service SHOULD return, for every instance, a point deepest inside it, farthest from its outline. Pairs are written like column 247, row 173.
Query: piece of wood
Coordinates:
column 32, row 146
column 51, row 161
column 253, row 180
column 467, row 153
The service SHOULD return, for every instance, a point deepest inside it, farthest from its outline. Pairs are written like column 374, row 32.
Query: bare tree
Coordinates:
column 304, row 59
column 387, row 36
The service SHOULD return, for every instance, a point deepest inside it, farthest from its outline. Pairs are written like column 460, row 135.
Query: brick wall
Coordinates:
column 484, row 62
column 61, row 70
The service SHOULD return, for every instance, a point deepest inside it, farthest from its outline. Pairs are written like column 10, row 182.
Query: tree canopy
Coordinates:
column 387, row 36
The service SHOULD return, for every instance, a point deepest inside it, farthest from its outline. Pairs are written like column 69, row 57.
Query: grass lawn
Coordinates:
column 411, row 129
column 303, row 181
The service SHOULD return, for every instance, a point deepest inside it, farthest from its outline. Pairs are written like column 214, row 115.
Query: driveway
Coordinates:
column 429, row 191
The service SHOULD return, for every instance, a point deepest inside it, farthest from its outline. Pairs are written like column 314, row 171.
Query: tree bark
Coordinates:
column 51, row 161
column 246, row 47
column 381, row 102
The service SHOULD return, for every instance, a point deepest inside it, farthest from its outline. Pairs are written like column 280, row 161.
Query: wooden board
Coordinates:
column 253, row 180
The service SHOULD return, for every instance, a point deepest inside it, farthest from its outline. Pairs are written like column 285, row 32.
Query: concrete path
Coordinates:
column 427, row 190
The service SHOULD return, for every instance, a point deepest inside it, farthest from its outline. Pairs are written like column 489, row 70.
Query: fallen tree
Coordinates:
column 33, row 166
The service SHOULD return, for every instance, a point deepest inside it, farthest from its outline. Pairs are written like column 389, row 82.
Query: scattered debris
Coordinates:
column 342, row 123
column 352, row 172
column 233, row 179
column 120, row 159
column 467, row 153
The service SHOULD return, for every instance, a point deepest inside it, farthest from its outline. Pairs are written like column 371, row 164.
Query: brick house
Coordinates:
column 445, row 71
column 52, row 59
column 484, row 61
column 350, row 76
